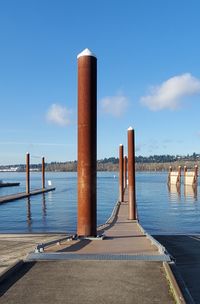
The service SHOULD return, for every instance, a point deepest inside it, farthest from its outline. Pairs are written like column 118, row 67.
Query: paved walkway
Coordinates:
column 89, row 282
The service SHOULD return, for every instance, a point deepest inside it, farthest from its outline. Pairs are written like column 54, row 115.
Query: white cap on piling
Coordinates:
column 121, row 145
column 86, row 52
column 130, row 129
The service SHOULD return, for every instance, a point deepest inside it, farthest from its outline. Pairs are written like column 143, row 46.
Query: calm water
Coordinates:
column 161, row 210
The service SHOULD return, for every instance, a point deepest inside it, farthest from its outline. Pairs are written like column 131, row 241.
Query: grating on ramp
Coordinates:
column 69, row 256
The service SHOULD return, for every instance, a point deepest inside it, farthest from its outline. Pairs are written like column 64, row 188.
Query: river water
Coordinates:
column 161, row 210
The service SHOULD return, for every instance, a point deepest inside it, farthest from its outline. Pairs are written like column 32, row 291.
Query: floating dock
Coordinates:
column 17, row 196
column 124, row 266
column 9, row 184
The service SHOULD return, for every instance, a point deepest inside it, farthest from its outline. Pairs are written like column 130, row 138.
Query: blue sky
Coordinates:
column 148, row 75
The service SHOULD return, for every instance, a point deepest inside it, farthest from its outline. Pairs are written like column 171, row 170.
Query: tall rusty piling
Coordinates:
column 125, row 172
column 43, row 173
column 27, row 172
column 131, row 175
column 87, row 144
column 121, row 173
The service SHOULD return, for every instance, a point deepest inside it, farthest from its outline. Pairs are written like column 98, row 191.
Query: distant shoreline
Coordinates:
column 110, row 167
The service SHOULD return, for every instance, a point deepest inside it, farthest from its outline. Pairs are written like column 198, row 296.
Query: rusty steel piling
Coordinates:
column 87, row 143
column 196, row 170
column 121, row 173
column 131, row 175
column 169, row 174
column 185, row 169
column 125, row 172
column 27, row 173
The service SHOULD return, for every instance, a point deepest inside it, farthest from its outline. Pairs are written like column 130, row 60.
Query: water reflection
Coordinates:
column 48, row 213
column 190, row 192
column 50, row 196
column 174, row 192
column 161, row 210
column 44, row 208
column 29, row 213
column 29, row 219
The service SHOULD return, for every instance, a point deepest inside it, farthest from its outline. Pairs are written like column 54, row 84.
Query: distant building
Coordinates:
column 11, row 169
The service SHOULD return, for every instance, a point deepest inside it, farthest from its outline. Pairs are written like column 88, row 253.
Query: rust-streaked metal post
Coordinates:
column 196, row 170
column 179, row 170
column 121, row 173
column 169, row 175
column 43, row 173
column 125, row 172
column 87, row 143
column 27, row 172
column 131, row 175
column 179, row 175
column 185, row 169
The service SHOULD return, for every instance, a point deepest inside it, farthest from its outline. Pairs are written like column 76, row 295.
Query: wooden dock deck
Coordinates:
column 17, row 196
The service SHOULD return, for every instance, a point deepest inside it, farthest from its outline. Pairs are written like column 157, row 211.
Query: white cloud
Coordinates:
column 58, row 114
column 168, row 94
column 114, row 105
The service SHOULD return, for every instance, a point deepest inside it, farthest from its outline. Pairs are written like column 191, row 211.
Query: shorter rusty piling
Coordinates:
column 196, row 170
column 185, row 169
column 125, row 172
column 131, row 175
column 27, row 172
column 169, row 175
column 121, row 173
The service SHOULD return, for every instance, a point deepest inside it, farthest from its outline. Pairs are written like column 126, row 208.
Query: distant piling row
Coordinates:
column 123, row 168
column 28, row 192
column 190, row 177
column 28, row 173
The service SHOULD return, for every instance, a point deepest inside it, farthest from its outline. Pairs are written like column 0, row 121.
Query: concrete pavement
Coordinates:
column 89, row 282
column 186, row 250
